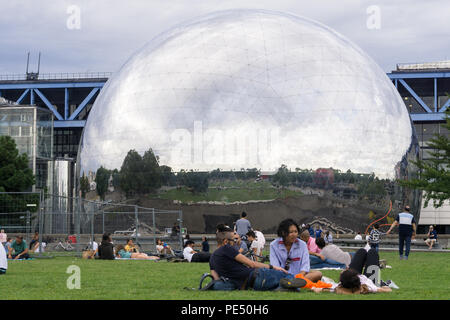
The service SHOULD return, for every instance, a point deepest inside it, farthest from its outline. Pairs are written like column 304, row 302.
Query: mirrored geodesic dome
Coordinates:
column 264, row 101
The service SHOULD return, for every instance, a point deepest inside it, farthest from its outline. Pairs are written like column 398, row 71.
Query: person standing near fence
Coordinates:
column 406, row 231
column 243, row 226
column 3, row 260
column 3, row 237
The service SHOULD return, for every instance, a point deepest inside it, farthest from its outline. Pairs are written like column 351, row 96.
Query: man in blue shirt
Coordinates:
column 406, row 231
column 431, row 238
column 318, row 232
column 243, row 226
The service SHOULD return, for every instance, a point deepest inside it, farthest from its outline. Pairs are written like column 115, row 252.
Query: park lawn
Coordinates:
column 424, row 276
column 227, row 195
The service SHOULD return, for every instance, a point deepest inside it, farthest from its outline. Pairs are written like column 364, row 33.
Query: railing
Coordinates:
column 58, row 76
column 423, row 66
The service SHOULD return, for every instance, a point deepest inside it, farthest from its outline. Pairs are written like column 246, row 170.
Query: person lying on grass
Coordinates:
column 353, row 281
column 121, row 253
column 243, row 273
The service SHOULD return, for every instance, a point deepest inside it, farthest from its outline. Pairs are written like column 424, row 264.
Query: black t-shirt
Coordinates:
column 222, row 261
column 106, row 251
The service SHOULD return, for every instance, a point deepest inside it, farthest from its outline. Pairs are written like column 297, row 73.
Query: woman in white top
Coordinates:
column 353, row 281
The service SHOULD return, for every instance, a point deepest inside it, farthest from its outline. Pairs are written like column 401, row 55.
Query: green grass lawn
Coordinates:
column 424, row 276
column 240, row 193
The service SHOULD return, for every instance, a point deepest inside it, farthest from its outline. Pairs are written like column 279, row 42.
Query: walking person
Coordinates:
column 406, row 231
column 243, row 226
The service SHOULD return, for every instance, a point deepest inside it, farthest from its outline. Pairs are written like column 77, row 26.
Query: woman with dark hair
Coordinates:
column 291, row 253
column 106, row 248
column 356, row 278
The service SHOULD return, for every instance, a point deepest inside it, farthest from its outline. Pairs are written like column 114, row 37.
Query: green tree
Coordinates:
column 15, row 174
column 116, row 178
column 167, row 176
column 84, row 186
column 282, row 176
column 140, row 175
column 130, row 173
column 151, row 173
column 434, row 177
column 196, row 181
column 102, row 179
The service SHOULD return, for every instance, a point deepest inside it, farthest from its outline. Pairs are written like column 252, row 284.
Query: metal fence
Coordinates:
column 66, row 226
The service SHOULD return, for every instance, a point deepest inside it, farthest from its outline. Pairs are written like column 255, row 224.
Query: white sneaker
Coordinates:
column 391, row 284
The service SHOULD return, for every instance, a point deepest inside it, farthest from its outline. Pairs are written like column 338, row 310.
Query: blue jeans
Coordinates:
column 317, row 263
column 404, row 240
column 226, row 286
column 266, row 279
column 269, row 279
column 374, row 246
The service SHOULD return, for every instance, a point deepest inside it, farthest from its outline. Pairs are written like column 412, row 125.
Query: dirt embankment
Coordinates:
column 266, row 215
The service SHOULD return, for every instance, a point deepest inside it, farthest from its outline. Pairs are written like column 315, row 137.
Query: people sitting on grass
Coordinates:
column 130, row 246
column 18, row 249
column 256, row 247
column 356, row 278
column 431, row 237
column 358, row 236
column 163, row 248
column 240, row 244
column 7, row 245
column 242, row 273
column 106, row 248
column 328, row 237
column 93, row 245
column 290, row 253
column 316, row 259
column 333, row 252
column 3, row 237
column 3, row 260
column 194, row 256
column 122, row 253
column 34, row 243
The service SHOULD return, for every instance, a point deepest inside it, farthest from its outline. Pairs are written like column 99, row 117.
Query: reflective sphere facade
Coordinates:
column 252, row 89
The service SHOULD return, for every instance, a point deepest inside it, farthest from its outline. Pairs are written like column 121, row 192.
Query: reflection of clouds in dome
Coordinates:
column 250, row 73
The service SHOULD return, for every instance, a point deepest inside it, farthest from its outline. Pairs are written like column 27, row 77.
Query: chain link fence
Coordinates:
column 57, row 225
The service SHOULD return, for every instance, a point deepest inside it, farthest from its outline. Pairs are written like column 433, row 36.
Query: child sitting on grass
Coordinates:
column 121, row 253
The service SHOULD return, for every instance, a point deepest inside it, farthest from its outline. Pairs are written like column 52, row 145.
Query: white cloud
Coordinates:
column 111, row 30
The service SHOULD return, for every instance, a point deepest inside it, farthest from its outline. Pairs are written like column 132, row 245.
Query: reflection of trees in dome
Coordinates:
column 140, row 175
column 101, row 180
column 84, row 185
column 143, row 174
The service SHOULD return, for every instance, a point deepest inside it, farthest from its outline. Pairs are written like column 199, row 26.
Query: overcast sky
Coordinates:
column 106, row 33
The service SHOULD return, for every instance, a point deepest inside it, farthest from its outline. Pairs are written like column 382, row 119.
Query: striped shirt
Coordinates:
column 375, row 236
